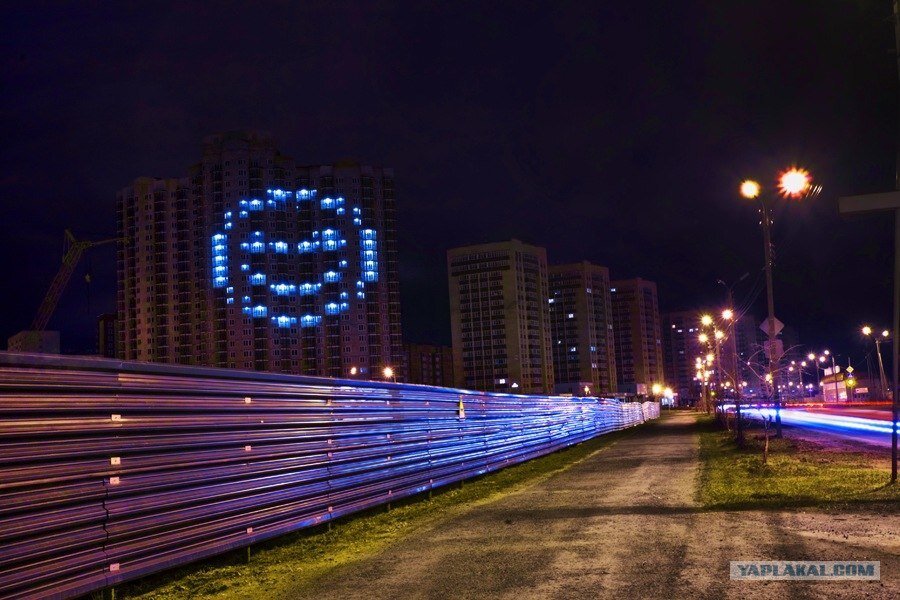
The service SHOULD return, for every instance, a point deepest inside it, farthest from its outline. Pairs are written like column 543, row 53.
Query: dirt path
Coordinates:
column 622, row 523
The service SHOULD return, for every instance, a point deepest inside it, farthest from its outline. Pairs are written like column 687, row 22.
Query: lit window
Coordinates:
column 284, row 320
column 310, row 320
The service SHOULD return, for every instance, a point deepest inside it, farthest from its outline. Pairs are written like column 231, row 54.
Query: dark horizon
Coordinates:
column 615, row 135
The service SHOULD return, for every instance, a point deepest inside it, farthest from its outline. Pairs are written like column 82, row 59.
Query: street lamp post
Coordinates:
column 882, row 377
column 794, row 183
column 812, row 358
column 803, row 390
column 826, row 354
column 729, row 316
column 837, row 397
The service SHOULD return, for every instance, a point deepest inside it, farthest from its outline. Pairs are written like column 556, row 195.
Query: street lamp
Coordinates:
column 794, row 183
column 802, row 387
column 885, row 336
column 388, row 373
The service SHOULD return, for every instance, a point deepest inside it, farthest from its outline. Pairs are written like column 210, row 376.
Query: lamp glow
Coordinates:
column 794, row 182
column 749, row 189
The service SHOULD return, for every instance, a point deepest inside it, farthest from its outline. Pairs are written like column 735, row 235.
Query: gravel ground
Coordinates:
column 622, row 523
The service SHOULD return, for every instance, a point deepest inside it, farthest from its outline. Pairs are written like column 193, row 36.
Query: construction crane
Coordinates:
column 74, row 249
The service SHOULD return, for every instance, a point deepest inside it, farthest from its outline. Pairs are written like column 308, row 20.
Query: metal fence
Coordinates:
column 110, row 471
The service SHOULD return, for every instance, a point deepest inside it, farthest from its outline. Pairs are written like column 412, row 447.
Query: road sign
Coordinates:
column 765, row 326
column 774, row 352
column 850, row 370
column 869, row 203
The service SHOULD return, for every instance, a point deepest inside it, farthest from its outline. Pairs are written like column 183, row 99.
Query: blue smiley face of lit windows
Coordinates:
column 259, row 244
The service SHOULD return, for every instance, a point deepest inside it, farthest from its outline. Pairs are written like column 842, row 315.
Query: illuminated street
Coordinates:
column 868, row 426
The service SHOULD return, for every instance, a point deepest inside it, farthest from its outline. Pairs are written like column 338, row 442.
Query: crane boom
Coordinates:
column 73, row 254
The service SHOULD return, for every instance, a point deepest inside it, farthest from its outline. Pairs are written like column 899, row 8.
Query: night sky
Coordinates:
column 615, row 133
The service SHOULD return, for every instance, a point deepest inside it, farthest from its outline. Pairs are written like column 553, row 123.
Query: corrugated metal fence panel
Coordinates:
column 110, row 471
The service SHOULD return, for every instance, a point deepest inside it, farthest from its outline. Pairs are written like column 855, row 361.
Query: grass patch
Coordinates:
column 798, row 473
column 301, row 557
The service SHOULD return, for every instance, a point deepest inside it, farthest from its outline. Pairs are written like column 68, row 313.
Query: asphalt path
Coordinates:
column 622, row 523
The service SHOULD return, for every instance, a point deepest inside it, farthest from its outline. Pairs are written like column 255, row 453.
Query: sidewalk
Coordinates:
column 622, row 523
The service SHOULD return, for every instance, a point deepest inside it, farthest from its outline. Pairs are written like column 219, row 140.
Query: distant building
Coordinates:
column 106, row 335
column 834, row 385
column 42, row 342
column 499, row 317
column 681, row 347
column 637, row 334
column 252, row 261
column 428, row 365
column 581, row 329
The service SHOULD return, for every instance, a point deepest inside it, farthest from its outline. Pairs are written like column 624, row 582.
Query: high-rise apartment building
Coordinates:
column 428, row 364
column 681, row 348
column 499, row 317
column 581, row 329
column 106, row 335
column 638, row 339
column 255, row 262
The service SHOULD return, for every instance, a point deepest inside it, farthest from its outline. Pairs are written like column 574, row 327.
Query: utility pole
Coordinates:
column 770, row 301
column 882, row 377
column 837, row 397
column 736, row 373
